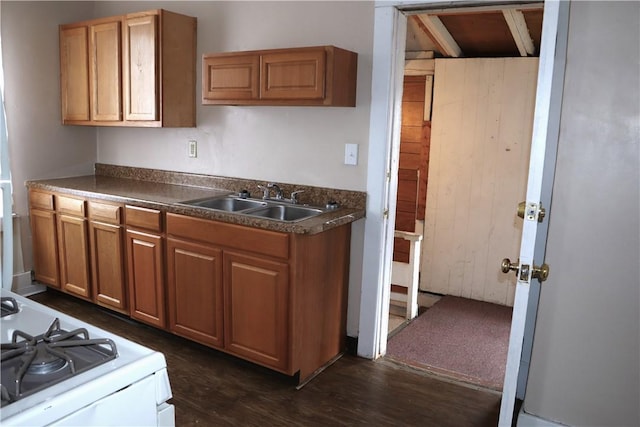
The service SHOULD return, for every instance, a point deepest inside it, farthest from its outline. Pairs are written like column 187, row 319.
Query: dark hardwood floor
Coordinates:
column 211, row 388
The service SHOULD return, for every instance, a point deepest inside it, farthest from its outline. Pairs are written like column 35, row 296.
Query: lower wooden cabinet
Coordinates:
column 107, row 260
column 194, row 285
column 74, row 255
column 106, row 241
column 284, row 294
column 256, row 311
column 208, row 288
column 45, row 247
column 145, row 273
column 80, row 256
column 276, row 299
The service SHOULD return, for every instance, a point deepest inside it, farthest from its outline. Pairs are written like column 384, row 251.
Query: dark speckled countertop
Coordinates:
column 164, row 190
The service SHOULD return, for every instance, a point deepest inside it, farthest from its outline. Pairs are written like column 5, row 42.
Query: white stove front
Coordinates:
column 132, row 389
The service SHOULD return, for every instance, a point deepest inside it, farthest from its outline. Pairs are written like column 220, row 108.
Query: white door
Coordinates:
column 539, row 184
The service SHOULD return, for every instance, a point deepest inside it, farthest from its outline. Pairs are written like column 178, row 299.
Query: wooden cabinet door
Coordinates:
column 145, row 277
column 105, row 69
column 107, row 262
column 74, row 255
column 74, row 74
column 293, row 75
column 256, row 296
column 234, row 77
column 141, row 78
column 194, row 285
column 45, row 248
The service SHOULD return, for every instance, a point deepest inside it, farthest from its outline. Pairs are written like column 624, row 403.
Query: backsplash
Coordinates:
column 316, row 196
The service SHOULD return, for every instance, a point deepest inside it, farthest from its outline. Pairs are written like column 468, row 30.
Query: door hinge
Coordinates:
column 385, row 214
column 531, row 211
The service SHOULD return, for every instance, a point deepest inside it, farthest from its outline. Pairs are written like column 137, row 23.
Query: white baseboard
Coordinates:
column 23, row 285
column 528, row 420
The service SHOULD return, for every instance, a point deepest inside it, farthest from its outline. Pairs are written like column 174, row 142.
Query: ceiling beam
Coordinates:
column 477, row 9
column 519, row 31
column 440, row 35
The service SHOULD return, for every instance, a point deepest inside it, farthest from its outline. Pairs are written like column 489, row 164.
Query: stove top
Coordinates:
column 121, row 362
column 32, row 363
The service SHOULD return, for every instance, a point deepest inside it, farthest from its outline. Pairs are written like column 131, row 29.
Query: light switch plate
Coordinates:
column 351, row 154
column 193, row 148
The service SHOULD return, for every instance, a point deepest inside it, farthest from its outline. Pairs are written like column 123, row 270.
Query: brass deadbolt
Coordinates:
column 530, row 211
column 541, row 273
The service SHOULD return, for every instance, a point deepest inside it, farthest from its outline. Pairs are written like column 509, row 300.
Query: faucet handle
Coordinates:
column 294, row 196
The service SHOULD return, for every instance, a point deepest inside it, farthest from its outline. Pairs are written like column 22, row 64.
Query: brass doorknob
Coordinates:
column 508, row 266
column 541, row 273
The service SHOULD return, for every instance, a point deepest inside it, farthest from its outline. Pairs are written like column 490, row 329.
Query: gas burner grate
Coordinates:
column 9, row 306
column 30, row 364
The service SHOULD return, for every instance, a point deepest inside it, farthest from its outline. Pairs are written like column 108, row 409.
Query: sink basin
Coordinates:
column 229, row 204
column 285, row 212
column 259, row 208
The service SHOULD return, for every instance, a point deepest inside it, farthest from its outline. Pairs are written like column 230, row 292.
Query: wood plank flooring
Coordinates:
column 211, row 388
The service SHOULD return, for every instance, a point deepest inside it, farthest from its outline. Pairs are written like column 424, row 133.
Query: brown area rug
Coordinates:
column 459, row 338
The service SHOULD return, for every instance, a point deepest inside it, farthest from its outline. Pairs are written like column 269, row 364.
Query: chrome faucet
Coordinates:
column 265, row 191
column 279, row 195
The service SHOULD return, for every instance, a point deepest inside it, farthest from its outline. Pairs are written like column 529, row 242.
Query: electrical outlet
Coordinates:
column 193, row 148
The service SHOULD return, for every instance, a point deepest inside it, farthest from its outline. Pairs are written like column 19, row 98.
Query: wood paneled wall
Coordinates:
column 480, row 144
column 413, row 166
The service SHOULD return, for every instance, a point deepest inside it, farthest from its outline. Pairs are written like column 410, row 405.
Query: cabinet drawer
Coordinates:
column 149, row 219
column 105, row 212
column 70, row 205
column 266, row 242
column 41, row 200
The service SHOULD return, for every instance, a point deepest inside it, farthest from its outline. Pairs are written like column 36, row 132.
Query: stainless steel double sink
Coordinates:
column 267, row 209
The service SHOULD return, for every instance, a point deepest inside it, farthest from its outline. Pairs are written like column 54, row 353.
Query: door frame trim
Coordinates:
column 389, row 39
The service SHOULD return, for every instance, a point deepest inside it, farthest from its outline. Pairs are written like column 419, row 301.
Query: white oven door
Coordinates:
column 132, row 406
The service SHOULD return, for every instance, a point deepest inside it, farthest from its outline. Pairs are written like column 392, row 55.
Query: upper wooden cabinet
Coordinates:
column 74, row 74
column 131, row 70
column 321, row 76
column 105, row 71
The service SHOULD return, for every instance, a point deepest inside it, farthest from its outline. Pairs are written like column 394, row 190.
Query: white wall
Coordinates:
column 303, row 145
column 585, row 365
column 39, row 147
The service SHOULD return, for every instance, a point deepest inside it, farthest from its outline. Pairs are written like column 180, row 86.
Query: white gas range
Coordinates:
column 58, row 370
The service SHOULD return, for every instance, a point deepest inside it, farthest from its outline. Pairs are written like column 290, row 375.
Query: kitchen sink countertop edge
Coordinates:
column 167, row 197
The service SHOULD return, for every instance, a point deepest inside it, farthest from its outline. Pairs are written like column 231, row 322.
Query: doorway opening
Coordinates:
column 464, row 155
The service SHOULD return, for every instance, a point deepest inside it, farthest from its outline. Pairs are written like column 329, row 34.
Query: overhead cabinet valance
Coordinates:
column 321, row 76
column 130, row 70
